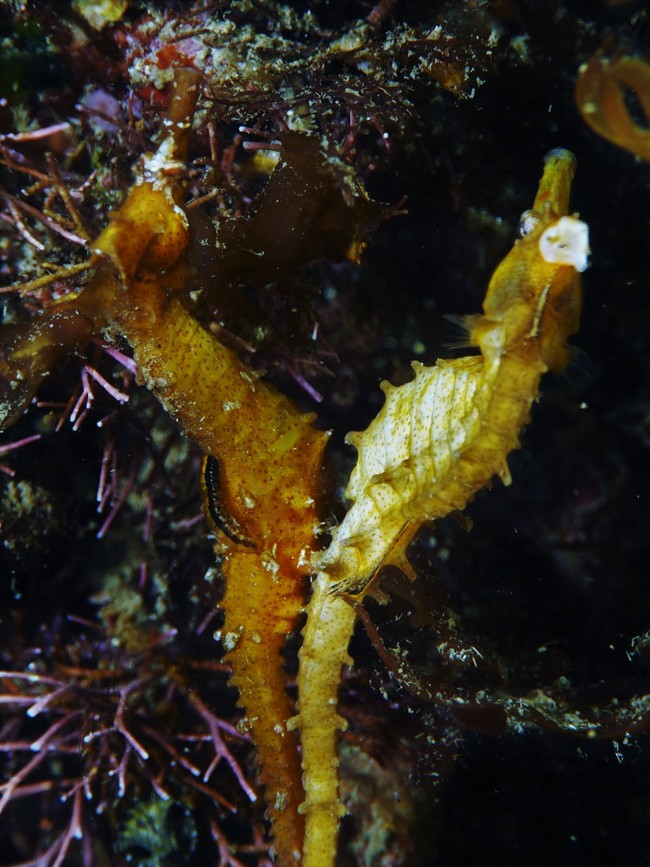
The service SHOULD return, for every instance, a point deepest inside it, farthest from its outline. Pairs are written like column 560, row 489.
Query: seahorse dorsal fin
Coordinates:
column 398, row 558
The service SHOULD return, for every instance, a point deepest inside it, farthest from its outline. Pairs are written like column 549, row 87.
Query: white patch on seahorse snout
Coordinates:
column 566, row 243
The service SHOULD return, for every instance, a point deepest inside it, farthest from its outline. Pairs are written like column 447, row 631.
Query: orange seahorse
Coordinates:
column 264, row 455
column 437, row 441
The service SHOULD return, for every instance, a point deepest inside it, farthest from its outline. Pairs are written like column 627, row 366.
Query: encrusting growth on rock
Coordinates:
column 437, row 441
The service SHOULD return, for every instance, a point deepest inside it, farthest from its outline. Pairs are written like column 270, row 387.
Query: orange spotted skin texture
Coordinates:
column 436, row 442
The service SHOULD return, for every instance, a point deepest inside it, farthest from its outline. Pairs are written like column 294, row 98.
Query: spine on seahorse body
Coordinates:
column 437, row 441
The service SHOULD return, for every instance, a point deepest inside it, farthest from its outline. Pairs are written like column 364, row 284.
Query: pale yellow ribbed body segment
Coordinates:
column 405, row 456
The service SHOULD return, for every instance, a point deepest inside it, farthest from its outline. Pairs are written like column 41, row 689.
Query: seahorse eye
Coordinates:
column 527, row 223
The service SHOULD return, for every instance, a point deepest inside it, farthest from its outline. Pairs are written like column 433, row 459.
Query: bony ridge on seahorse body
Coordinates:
column 436, row 442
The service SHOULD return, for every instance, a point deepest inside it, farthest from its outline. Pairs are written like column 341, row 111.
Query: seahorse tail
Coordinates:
column 330, row 623
column 254, row 633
